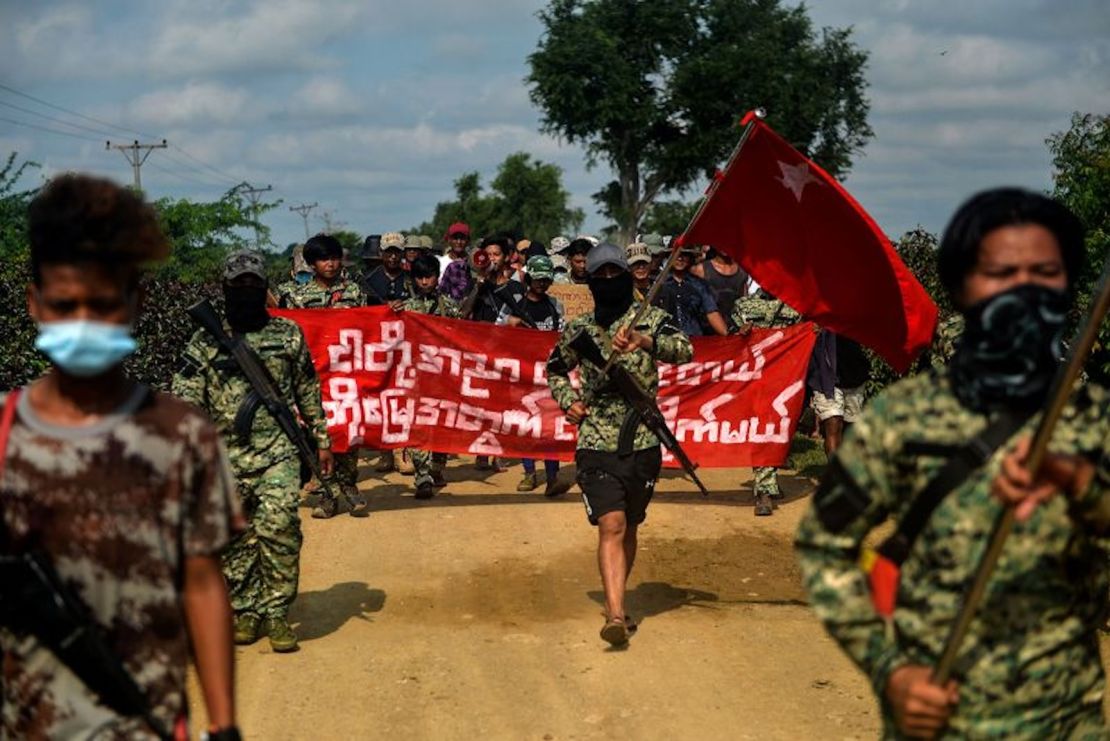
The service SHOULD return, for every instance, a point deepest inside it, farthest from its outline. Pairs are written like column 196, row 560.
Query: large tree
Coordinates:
column 655, row 88
column 526, row 198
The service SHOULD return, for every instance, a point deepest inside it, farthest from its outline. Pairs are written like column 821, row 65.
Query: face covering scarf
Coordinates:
column 1010, row 350
column 245, row 308
column 612, row 297
column 85, row 348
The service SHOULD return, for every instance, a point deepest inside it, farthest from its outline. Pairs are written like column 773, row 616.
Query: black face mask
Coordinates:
column 612, row 297
column 245, row 308
column 1010, row 350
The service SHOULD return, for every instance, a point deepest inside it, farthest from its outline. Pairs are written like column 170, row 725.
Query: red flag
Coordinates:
column 806, row 240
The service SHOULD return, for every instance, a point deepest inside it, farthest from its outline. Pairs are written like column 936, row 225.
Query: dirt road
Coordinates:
column 476, row 615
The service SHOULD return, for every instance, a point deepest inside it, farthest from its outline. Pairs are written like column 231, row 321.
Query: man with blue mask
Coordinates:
column 262, row 565
column 125, row 490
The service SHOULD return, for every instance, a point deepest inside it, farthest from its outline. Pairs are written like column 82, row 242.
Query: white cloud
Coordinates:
column 270, row 35
column 194, row 104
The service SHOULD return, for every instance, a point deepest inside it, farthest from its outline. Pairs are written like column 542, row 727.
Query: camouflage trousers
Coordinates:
column 262, row 564
column 424, row 462
column 766, row 480
column 345, row 477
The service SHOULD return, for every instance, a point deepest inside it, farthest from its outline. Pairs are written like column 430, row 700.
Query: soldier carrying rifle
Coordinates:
column 942, row 454
column 618, row 456
column 262, row 564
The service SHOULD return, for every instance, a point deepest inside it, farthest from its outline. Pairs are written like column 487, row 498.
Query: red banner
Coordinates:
column 411, row 380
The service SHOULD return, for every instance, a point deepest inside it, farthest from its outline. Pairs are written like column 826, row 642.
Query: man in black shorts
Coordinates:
column 616, row 472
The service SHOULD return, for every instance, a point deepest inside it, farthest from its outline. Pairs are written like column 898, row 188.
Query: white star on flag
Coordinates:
column 796, row 178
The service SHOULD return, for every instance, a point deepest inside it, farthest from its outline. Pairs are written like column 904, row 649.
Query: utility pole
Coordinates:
column 304, row 209
column 254, row 195
column 331, row 223
column 136, row 155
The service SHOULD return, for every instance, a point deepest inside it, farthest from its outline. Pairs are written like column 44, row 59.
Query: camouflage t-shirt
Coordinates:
column 118, row 505
column 340, row 295
column 600, row 430
column 1029, row 666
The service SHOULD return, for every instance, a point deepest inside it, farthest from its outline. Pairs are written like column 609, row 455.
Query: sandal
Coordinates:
column 615, row 632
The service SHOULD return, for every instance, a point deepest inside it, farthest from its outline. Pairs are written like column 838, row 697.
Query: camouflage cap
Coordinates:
column 426, row 242
column 393, row 241
column 594, row 241
column 605, row 254
column 540, row 267
column 244, row 262
column 558, row 244
column 559, row 264
column 412, row 242
column 637, row 252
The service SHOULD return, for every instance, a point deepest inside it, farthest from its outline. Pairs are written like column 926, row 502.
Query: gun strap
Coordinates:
column 6, row 422
column 966, row 459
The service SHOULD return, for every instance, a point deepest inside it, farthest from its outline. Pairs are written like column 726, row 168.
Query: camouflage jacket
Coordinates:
column 283, row 292
column 944, row 342
column 1030, row 664
column 601, row 429
column 762, row 312
column 434, row 303
column 211, row 379
column 343, row 294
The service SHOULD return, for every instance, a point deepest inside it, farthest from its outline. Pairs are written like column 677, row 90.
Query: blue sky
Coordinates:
column 372, row 109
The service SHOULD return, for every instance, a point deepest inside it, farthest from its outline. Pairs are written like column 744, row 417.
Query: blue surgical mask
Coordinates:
column 302, row 278
column 85, row 348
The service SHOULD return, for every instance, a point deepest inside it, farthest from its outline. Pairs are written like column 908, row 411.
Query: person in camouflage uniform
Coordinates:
column 299, row 274
column 1029, row 667
column 125, row 490
column 262, row 564
column 329, row 290
column 766, row 312
column 616, row 473
column 944, row 343
column 428, row 466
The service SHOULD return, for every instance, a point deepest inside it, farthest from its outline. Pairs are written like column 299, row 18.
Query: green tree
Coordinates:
column 19, row 361
column 1081, row 180
column 526, row 198
column 203, row 234
column 654, row 89
column 668, row 217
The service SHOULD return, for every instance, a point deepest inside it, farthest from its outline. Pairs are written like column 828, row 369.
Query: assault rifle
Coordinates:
column 264, row 391
column 35, row 600
column 644, row 408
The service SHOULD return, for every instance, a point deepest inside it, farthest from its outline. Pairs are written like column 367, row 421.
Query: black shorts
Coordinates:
column 618, row 483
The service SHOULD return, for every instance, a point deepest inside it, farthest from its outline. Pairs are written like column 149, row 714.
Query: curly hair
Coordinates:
column 79, row 218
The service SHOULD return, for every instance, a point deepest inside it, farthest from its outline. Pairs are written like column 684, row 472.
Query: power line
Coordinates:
column 75, row 113
column 199, row 161
column 210, row 180
column 101, row 132
column 48, row 129
column 178, row 175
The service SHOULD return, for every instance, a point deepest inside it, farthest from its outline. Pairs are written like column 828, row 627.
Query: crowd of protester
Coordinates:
column 504, row 279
